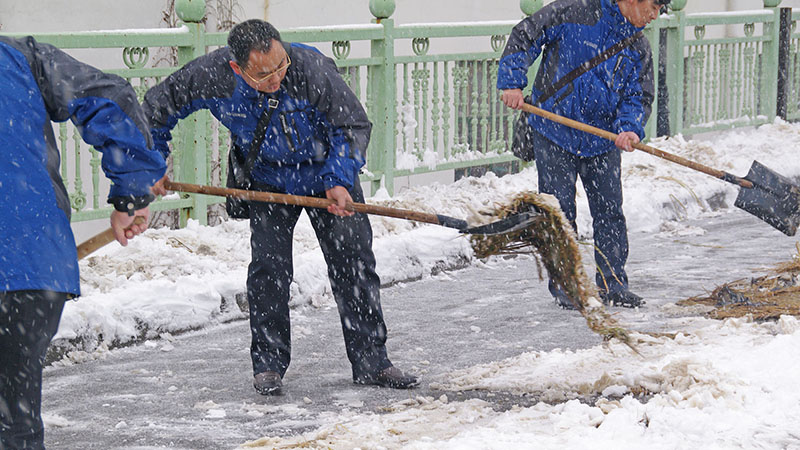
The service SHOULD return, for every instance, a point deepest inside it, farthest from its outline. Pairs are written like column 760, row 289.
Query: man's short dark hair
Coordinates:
column 253, row 34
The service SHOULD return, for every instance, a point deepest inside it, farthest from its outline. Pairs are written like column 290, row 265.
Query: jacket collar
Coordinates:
column 244, row 90
column 617, row 21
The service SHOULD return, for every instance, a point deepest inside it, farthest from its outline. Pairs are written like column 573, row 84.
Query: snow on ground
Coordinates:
column 727, row 385
column 722, row 385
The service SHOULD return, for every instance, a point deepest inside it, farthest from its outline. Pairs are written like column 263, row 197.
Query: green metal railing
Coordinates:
column 724, row 82
column 435, row 110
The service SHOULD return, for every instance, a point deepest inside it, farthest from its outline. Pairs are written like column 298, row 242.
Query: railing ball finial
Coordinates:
column 771, row 3
column 381, row 9
column 530, row 6
column 190, row 10
column 677, row 5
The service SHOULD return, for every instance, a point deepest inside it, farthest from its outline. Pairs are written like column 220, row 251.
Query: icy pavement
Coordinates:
column 194, row 391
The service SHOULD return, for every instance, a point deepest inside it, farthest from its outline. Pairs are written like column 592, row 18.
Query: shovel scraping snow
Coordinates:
column 506, row 225
column 764, row 194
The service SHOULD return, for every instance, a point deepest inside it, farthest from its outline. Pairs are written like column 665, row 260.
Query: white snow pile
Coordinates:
column 728, row 385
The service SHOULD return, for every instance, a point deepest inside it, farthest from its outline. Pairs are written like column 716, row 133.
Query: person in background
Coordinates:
column 313, row 142
column 615, row 95
column 38, row 258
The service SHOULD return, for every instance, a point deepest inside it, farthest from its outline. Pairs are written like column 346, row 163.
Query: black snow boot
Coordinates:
column 390, row 377
column 622, row 297
column 562, row 299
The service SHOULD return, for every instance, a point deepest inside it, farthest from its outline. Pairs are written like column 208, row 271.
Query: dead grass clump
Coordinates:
column 764, row 298
column 552, row 241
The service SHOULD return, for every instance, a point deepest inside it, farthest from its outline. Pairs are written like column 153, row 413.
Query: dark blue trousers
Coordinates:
column 346, row 244
column 601, row 177
column 28, row 321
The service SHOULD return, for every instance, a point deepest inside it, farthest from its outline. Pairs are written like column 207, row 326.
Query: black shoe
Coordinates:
column 267, row 383
column 390, row 377
column 623, row 297
column 562, row 300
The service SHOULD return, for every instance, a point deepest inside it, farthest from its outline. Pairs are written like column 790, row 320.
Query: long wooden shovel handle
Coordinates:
column 725, row 176
column 99, row 240
column 315, row 202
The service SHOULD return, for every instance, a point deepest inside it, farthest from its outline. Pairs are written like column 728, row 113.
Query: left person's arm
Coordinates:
column 105, row 110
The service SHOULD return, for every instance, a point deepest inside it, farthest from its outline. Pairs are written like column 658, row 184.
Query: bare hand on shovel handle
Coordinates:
column 101, row 239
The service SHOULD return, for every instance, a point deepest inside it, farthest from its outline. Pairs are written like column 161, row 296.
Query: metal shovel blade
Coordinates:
column 773, row 199
column 514, row 222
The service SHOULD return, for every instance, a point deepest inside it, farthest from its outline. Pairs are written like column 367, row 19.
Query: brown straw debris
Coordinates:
column 764, row 298
column 552, row 241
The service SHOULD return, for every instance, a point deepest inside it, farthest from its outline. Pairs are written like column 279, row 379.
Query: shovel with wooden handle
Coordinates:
column 514, row 222
column 509, row 224
column 766, row 194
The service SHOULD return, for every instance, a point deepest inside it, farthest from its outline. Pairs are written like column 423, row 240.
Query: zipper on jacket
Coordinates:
column 287, row 131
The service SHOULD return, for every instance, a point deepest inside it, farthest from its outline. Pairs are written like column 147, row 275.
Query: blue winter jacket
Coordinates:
column 316, row 138
column 40, row 84
column 615, row 96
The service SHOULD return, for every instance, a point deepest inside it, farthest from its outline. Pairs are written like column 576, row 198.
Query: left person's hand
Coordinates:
column 626, row 140
column 158, row 188
column 124, row 226
column 341, row 198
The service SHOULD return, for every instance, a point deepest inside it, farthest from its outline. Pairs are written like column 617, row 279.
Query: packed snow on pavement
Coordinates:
column 712, row 385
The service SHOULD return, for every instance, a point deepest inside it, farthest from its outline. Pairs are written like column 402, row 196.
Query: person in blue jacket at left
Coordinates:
column 314, row 144
column 40, row 84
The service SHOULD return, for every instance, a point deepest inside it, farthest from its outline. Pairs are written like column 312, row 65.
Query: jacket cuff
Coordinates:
column 131, row 203
column 339, row 172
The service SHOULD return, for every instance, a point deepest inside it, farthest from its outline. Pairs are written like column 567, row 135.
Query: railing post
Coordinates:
column 784, row 49
column 382, row 85
column 769, row 62
column 194, row 129
column 529, row 7
column 675, row 67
